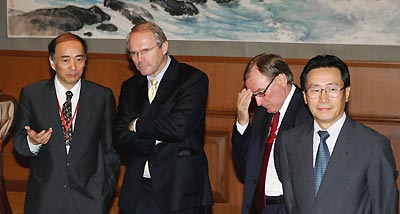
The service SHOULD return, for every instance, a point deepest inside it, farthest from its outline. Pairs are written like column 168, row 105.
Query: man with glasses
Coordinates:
column 160, row 126
column 269, row 82
column 335, row 164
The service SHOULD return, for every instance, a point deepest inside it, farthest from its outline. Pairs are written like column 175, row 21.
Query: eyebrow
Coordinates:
column 68, row 56
column 328, row 84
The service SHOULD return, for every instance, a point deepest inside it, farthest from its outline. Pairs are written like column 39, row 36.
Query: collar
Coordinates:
column 161, row 74
column 285, row 105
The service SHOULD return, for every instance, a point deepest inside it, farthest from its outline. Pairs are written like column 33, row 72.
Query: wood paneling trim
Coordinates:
column 219, row 59
column 362, row 118
column 377, row 120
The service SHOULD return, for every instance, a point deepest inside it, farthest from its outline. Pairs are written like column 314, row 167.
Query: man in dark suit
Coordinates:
column 269, row 81
column 160, row 126
column 73, row 166
column 335, row 165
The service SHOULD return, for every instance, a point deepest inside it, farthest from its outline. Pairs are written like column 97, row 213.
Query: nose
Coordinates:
column 323, row 97
column 73, row 64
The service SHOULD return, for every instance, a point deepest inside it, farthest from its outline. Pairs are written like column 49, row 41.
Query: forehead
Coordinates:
column 256, row 80
column 325, row 75
column 141, row 39
column 69, row 48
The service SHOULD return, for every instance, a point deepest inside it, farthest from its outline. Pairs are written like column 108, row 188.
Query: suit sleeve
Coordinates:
column 285, row 174
column 111, row 158
column 125, row 140
column 181, row 115
column 23, row 119
column 240, row 146
column 382, row 175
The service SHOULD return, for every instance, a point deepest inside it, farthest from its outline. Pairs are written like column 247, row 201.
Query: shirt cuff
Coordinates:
column 132, row 125
column 34, row 148
column 241, row 128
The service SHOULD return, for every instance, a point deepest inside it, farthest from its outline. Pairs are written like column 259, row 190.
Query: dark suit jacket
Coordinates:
column 88, row 173
column 360, row 176
column 178, row 165
column 248, row 149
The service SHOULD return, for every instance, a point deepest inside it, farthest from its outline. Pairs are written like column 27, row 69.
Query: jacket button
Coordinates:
column 253, row 181
column 69, row 163
column 65, row 186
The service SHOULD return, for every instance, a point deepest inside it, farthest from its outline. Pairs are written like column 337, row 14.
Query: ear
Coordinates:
column 347, row 93
column 282, row 79
column 164, row 47
column 52, row 64
column 305, row 97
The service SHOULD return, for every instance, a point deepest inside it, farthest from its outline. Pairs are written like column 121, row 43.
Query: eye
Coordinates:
column 332, row 89
column 314, row 90
column 144, row 51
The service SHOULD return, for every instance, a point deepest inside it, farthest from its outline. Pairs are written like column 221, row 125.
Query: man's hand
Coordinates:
column 242, row 106
column 132, row 125
column 38, row 138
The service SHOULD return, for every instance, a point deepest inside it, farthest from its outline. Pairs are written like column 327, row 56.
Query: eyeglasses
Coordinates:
column 141, row 52
column 331, row 92
column 262, row 93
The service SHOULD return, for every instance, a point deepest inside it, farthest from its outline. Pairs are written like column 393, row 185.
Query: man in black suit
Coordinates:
column 160, row 126
column 335, row 164
column 73, row 166
column 269, row 81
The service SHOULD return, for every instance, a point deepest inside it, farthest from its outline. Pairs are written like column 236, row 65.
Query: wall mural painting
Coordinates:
column 374, row 22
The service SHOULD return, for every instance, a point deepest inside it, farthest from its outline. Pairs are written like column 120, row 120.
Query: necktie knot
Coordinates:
column 323, row 135
column 274, row 124
column 154, row 82
column 69, row 95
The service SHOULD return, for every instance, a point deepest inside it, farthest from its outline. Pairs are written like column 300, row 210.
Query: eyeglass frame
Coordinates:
column 326, row 92
column 141, row 52
column 262, row 93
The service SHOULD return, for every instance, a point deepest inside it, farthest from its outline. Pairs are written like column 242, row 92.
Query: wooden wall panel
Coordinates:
column 374, row 100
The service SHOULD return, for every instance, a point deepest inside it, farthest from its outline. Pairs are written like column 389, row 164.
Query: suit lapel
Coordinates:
column 83, row 116
column 339, row 159
column 52, row 115
column 288, row 120
column 166, row 86
column 263, row 129
column 305, row 164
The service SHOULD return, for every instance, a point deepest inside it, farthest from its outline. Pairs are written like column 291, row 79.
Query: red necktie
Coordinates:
column 260, row 191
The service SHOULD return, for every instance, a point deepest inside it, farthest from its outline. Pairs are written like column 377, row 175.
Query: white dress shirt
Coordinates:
column 273, row 186
column 333, row 131
column 61, row 97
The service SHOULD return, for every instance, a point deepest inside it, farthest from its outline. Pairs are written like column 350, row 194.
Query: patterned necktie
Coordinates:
column 67, row 112
column 152, row 89
column 260, row 190
column 321, row 161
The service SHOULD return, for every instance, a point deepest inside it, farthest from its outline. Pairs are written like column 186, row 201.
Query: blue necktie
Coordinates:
column 321, row 160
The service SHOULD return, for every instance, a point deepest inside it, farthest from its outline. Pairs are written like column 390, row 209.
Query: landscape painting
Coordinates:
column 365, row 22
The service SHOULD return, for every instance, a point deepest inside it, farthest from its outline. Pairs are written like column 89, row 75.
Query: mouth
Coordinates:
column 324, row 109
column 72, row 75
